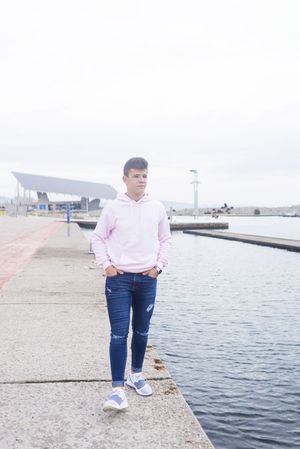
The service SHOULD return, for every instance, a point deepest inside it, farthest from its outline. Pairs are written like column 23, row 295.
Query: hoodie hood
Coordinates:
column 125, row 197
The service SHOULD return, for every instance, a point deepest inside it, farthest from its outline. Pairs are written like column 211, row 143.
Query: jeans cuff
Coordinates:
column 118, row 383
column 136, row 370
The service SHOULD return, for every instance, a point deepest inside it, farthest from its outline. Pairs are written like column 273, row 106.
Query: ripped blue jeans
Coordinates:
column 123, row 292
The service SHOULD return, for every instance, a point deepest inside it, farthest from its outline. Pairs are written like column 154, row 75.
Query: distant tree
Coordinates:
column 256, row 211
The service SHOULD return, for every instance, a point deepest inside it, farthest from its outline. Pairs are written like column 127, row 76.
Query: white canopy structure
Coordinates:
column 49, row 184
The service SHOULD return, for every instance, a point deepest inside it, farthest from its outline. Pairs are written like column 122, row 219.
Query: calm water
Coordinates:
column 227, row 324
column 283, row 227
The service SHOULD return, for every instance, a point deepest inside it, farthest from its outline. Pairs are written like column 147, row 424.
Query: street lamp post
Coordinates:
column 195, row 182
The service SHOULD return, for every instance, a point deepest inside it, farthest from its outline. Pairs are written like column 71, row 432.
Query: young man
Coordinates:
column 130, row 241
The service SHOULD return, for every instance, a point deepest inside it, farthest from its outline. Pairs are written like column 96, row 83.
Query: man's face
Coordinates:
column 136, row 182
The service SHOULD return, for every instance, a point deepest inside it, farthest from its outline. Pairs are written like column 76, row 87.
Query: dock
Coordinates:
column 54, row 372
column 91, row 224
column 273, row 242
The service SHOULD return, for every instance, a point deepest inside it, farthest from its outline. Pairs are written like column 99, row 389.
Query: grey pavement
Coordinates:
column 54, row 372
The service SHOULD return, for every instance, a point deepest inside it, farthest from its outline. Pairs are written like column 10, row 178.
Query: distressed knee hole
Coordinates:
column 143, row 334
column 150, row 307
column 118, row 337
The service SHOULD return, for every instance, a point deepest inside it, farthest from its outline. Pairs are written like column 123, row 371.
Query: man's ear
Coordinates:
column 124, row 178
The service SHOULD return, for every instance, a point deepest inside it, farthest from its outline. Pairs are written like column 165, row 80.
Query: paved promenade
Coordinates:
column 19, row 239
column 54, row 371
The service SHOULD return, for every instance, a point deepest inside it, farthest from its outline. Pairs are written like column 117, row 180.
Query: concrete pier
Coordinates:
column 54, row 372
column 273, row 242
column 19, row 239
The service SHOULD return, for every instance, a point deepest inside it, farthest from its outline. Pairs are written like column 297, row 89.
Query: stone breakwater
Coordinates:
column 272, row 242
column 55, row 371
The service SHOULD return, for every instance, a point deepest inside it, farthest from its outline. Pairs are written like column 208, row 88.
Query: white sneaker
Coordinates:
column 116, row 400
column 137, row 381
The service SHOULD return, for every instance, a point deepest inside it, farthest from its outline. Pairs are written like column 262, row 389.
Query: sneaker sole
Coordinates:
column 112, row 407
column 131, row 385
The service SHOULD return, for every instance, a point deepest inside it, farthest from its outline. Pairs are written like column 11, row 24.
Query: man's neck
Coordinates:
column 135, row 197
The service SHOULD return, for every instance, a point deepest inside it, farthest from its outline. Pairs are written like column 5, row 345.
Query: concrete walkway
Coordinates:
column 54, row 372
column 20, row 237
column 273, row 242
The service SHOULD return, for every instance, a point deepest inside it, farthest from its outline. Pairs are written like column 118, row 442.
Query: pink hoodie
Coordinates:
column 132, row 235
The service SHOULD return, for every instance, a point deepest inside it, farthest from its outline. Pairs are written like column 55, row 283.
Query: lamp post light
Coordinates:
column 195, row 182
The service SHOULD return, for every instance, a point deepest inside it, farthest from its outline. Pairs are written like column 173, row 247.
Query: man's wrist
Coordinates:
column 158, row 269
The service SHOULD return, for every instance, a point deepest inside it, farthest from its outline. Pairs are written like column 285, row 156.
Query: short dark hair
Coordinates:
column 137, row 163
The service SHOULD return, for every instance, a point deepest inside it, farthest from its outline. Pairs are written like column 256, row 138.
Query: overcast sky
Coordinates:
column 209, row 85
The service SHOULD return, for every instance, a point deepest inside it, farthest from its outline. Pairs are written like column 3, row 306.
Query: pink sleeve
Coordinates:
column 100, row 236
column 164, row 237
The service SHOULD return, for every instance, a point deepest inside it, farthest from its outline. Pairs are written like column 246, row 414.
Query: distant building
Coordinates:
column 90, row 193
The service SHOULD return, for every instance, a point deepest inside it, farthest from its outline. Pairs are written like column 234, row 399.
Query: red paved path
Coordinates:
column 20, row 237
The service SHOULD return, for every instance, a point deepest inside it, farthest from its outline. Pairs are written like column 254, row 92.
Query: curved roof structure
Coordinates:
column 65, row 186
